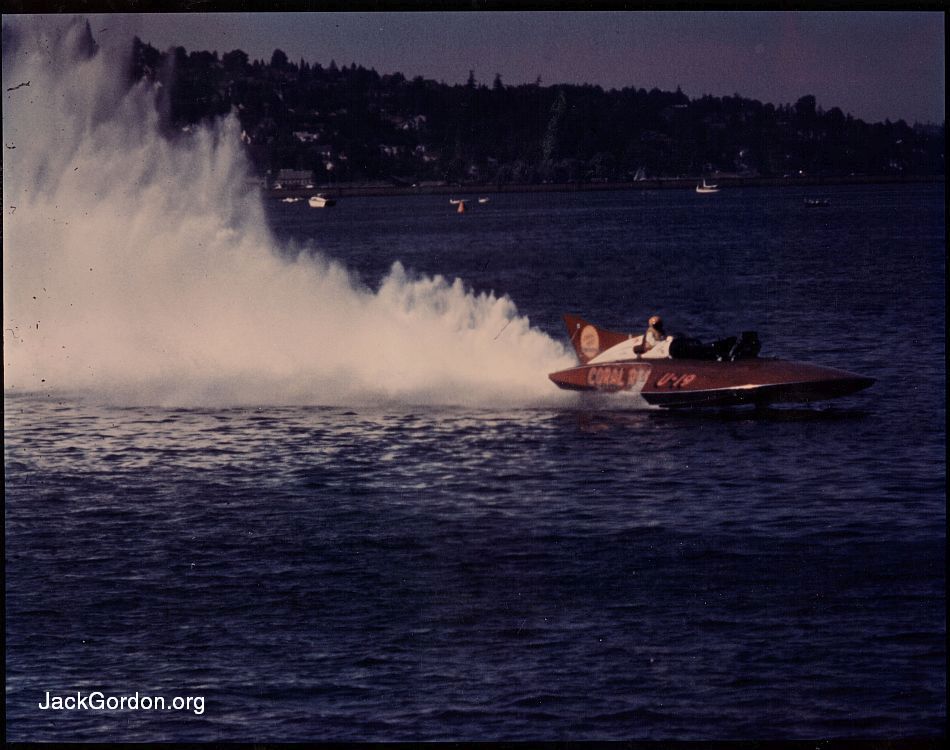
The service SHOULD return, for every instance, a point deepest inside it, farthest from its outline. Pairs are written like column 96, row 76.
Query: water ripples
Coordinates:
column 409, row 573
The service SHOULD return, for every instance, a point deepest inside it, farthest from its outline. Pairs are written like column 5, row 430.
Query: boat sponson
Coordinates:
column 702, row 383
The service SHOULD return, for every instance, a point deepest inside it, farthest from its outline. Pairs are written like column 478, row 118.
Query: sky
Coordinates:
column 874, row 65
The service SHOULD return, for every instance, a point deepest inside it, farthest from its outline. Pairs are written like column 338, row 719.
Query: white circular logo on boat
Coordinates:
column 590, row 342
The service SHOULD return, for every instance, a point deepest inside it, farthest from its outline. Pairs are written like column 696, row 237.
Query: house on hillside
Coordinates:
column 292, row 178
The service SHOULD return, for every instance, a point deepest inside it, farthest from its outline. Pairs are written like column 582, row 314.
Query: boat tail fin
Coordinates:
column 588, row 340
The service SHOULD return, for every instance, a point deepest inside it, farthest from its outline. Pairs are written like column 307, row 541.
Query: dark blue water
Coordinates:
column 408, row 573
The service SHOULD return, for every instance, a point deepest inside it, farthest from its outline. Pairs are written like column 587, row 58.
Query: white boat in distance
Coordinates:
column 290, row 200
column 484, row 200
column 321, row 201
column 704, row 188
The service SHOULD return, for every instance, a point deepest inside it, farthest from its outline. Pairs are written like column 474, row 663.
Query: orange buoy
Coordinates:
column 461, row 208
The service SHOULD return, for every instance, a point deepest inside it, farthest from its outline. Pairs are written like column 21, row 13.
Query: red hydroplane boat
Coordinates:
column 680, row 372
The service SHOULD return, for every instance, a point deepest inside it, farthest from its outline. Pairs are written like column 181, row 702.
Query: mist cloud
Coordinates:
column 142, row 269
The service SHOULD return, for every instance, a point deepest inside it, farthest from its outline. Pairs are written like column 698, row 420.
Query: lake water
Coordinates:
column 401, row 568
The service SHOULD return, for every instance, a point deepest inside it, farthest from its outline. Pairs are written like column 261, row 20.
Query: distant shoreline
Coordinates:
column 357, row 190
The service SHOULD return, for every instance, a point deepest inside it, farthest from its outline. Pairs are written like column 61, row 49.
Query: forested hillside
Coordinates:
column 347, row 123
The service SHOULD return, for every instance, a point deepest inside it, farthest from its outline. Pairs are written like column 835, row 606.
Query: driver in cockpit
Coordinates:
column 654, row 335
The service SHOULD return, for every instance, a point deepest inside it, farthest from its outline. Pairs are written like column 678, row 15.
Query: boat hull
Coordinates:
column 693, row 383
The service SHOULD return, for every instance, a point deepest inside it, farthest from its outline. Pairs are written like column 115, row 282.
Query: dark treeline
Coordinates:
column 350, row 124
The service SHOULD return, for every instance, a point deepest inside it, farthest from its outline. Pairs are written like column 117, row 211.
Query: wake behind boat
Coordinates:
column 680, row 372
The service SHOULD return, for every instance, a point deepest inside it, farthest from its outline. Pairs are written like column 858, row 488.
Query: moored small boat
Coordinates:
column 321, row 201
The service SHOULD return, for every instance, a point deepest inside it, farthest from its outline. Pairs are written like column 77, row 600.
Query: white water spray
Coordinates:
column 143, row 268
